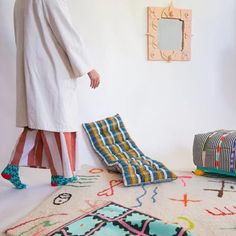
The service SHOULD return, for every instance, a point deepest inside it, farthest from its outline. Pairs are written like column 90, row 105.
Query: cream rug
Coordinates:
column 204, row 205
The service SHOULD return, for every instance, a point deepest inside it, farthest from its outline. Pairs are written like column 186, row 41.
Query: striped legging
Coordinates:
column 45, row 149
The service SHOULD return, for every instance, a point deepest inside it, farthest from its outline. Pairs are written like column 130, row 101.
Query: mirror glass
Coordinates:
column 170, row 34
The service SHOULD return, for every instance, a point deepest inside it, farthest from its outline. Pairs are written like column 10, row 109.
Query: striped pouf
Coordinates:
column 216, row 152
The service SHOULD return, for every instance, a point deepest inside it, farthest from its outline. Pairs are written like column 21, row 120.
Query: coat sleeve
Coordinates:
column 60, row 22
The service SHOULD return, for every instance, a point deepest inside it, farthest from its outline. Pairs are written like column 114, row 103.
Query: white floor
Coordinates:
column 15, row 204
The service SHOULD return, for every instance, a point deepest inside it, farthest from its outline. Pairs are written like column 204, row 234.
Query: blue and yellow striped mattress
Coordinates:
column 114, row 145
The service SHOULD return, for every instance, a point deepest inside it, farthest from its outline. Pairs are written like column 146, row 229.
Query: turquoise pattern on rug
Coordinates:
column 116, row 220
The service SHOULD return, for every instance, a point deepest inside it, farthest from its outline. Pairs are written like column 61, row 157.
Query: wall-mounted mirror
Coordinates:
column 169, row 34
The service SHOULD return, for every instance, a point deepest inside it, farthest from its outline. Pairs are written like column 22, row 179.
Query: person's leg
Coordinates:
column 67, row 143
column 21, row 155
column 60, row 152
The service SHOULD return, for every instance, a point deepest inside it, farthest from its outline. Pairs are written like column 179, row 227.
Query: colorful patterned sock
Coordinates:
column 11, row 173
column 58, row 180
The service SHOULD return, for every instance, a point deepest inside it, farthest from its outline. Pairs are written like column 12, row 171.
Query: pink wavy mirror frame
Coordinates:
column 154, row 52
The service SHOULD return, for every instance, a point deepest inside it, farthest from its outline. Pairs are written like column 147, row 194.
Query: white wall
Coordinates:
column 163, row 104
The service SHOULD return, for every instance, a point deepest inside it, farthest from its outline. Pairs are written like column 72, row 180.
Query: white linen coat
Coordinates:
column 50, row 56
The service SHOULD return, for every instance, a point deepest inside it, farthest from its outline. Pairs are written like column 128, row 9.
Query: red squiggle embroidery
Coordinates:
column 110, row 191
column 93, row 205
column 225, row 212
column 38, row 218
column 182, row 178
column 185, row 200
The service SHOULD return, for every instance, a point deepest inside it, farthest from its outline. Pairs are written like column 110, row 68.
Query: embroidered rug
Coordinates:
column 205, row 205
column 114, row 219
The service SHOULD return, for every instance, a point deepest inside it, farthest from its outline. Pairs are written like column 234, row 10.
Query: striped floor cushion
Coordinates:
column 216, row 151
column 113, row 144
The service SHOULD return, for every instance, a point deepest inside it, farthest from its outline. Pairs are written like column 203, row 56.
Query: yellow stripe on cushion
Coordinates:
column 105, row 132
column 144, row 173
column 132, row 174
column 122, row 156
column 116, row 150
column 160, row 174
column 132, row 153
column 100, row 143
column 116, row 133
column 127, row 147
column 109, row 137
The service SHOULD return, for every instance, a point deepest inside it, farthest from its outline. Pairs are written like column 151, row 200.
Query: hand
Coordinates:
column 94, row 79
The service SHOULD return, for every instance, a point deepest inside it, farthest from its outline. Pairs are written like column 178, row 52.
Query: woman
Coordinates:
column 50, row 58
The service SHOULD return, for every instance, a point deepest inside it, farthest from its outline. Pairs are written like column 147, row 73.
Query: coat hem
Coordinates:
column 47, row 128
